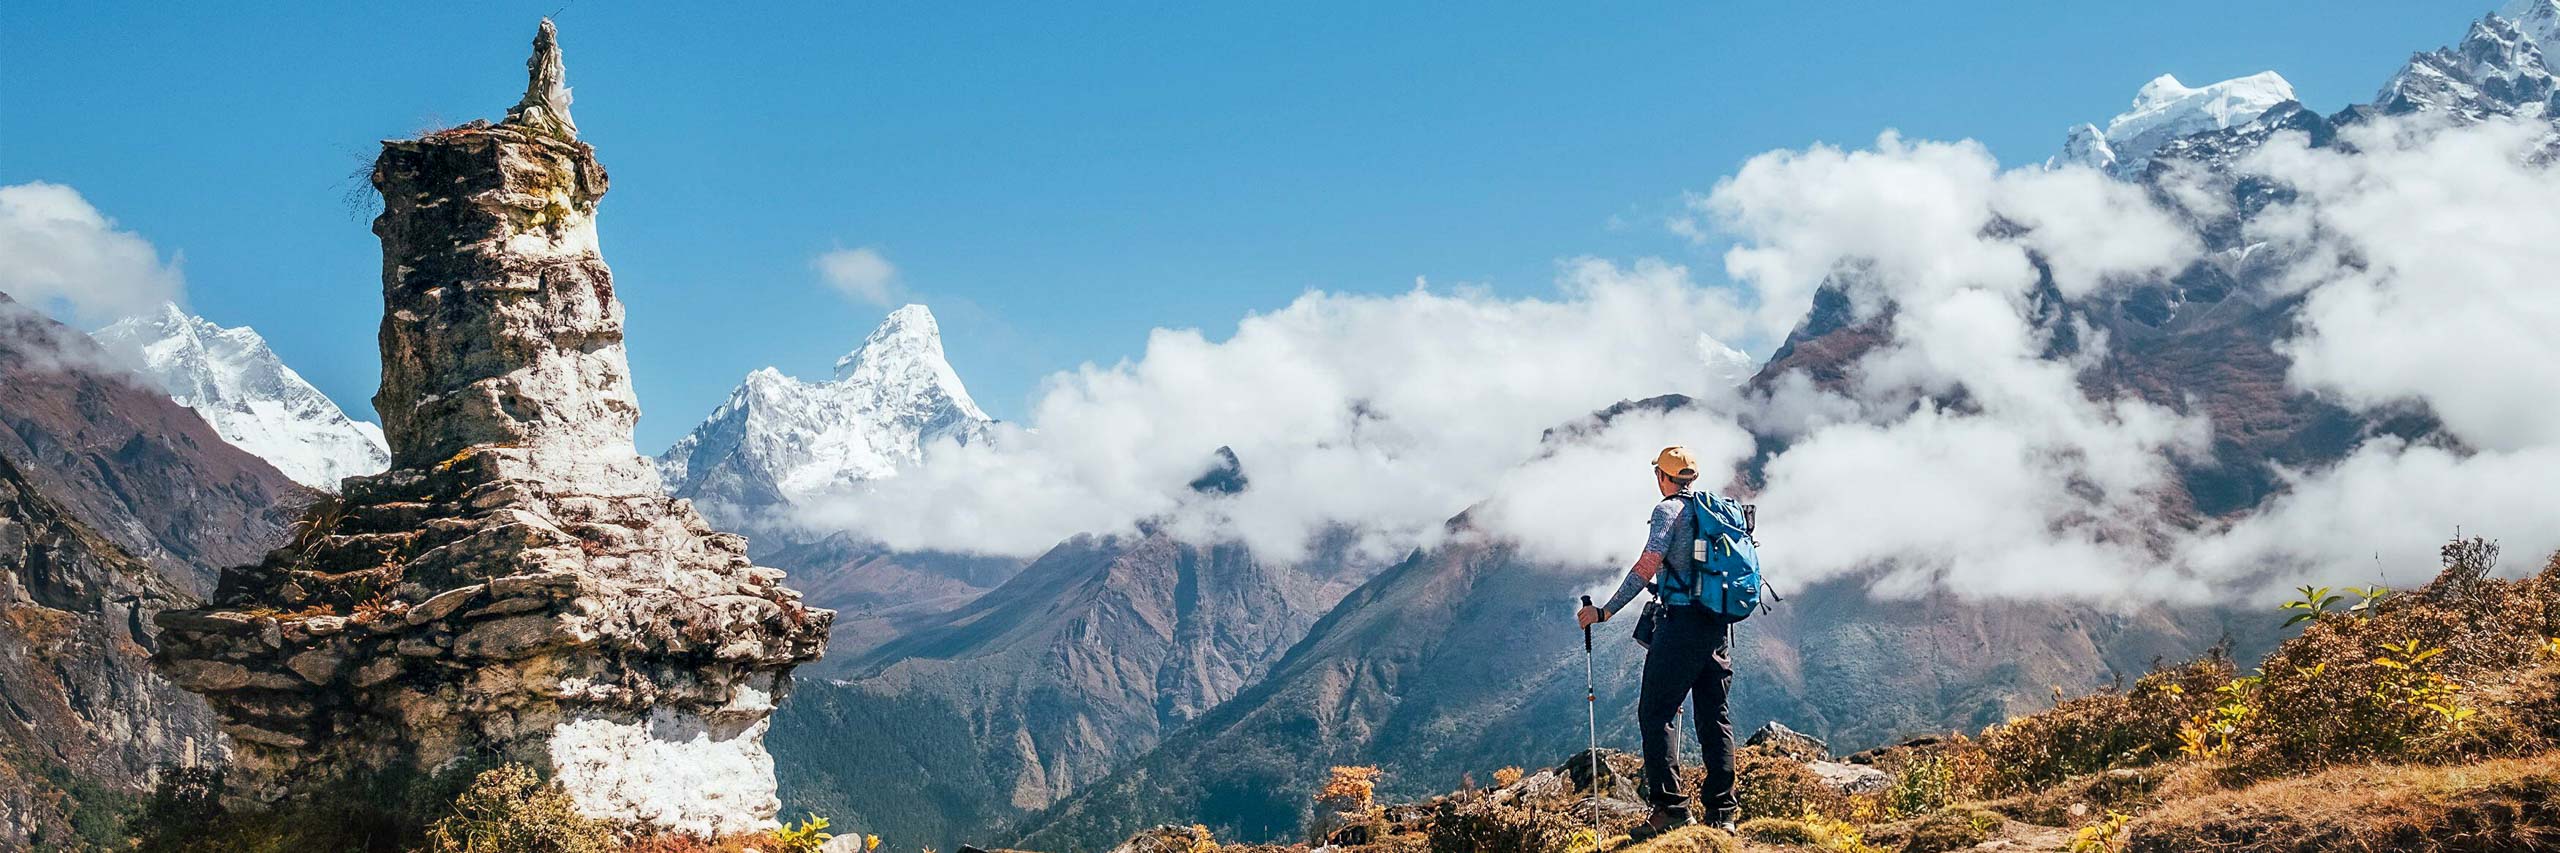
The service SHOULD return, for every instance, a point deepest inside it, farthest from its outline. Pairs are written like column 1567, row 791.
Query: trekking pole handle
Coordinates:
column 1586, row 629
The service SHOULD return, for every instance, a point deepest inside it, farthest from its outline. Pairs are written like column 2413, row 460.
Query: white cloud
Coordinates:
column 863, row 274
column 58, row 253
column 1386, row 414
column 1909, row 220
column 1585, row 501
column 2027, row 473
column 2379, row 515
column 2429, row 257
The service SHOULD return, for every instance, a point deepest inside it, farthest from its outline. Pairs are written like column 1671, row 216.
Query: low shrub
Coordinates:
column 1346, row 803
column 1773, row 786
column 1692, row 839
column 1924, row 784
column 2110, row 728
column 1784, row 831
column 1481, row 826
column 2419, row 677
column 511, row 808
column 1946, row 830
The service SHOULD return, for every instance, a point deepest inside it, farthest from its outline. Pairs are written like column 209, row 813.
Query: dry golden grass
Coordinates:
column 2502, row 805
column 1689, row 839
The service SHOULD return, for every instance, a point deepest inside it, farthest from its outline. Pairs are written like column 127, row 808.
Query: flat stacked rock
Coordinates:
column 518, row 586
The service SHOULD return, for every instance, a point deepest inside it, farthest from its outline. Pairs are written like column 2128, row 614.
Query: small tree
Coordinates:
column 1349, row 796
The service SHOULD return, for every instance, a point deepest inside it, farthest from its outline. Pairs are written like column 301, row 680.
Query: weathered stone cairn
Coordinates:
column 518, row 586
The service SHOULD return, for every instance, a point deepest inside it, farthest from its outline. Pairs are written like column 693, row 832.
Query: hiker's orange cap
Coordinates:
column 1676, row 462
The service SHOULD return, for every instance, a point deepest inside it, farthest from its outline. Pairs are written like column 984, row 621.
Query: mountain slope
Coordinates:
column 1076, row 664
column 149, row 475
column 880, row 594
column 115, row 503
column 251, row 398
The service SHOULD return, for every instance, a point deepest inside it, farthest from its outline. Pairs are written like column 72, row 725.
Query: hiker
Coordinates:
column 1688, row 653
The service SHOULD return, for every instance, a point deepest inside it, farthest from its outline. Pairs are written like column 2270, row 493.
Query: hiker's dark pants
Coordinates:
column 1691, row 655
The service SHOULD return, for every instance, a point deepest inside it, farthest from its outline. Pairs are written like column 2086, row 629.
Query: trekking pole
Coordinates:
column 1591, row 709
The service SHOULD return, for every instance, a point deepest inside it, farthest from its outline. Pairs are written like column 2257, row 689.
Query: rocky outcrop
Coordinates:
column 518, row 586
column 85, row 714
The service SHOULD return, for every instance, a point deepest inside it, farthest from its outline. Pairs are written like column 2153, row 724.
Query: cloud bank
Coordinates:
column 60, row 254
column 2425, row 260
column 1383, row 414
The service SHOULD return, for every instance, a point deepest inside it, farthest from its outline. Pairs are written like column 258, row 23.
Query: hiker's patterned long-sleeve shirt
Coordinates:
column 1666, row 518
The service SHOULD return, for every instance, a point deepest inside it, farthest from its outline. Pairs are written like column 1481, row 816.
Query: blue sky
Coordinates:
column 1056, row 179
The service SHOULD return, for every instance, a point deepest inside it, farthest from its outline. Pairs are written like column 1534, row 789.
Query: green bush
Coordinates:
column 2409, row 680
column 1782, row 831
column 509, row 808
column 1952, row 829
column 1925, row 784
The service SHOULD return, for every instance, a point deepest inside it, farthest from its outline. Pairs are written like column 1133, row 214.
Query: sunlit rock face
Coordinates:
column 518, row 586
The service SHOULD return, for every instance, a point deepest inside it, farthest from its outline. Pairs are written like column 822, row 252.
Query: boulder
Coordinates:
column 1850, row 778
column 1775, row 737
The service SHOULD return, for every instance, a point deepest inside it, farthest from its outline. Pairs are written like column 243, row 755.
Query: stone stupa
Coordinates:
column 518, row 587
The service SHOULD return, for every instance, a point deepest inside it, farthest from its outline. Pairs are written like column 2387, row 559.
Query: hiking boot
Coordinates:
column 1664, row 819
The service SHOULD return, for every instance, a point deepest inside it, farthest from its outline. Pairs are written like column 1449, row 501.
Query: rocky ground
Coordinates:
column 1557, row 809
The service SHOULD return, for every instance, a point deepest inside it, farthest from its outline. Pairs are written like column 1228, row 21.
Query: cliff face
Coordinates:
column 518, row 586
column 85, row 709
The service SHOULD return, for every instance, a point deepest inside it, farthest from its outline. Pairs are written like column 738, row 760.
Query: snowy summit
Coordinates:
column 780, row 440
column 249, row 396
column 2165, row 110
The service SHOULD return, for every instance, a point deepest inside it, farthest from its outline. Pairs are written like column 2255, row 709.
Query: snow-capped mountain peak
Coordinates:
column 2166, row 109
column 2499, row 68
column 255, row 402
column 780, row 441
column 903, row 358
column 2538, row 20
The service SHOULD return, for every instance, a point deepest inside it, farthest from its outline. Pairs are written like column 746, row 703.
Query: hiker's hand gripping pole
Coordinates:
column 1586, row 633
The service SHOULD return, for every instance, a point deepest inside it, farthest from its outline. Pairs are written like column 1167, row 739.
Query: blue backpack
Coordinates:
column 1725, row 564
